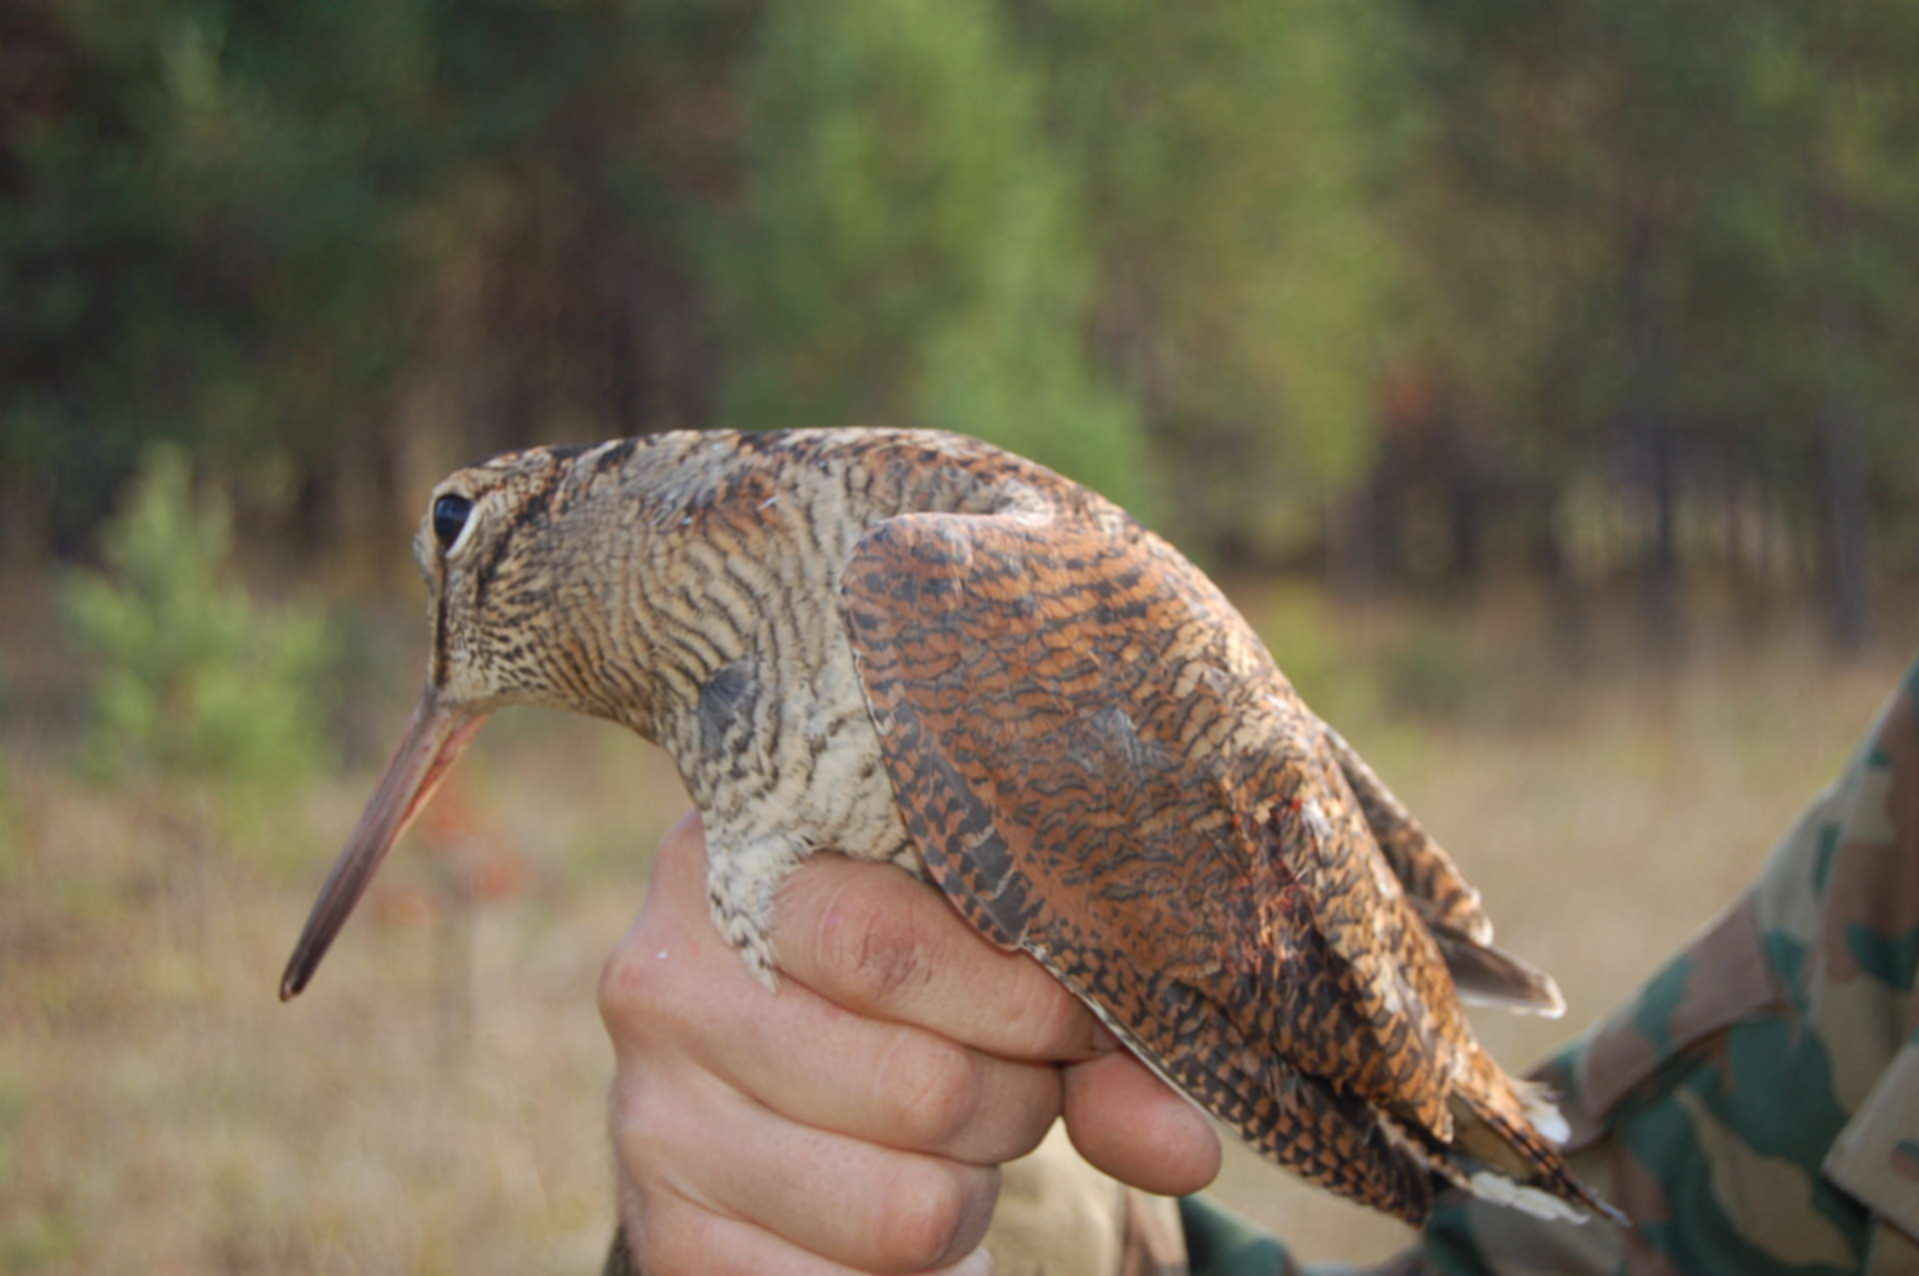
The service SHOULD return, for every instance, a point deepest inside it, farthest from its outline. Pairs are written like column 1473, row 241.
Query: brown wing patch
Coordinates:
column 1445, row 901
column 1421, row 864
column 1101, row 767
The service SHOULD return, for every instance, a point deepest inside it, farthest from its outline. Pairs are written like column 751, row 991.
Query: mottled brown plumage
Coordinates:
column 913, row 646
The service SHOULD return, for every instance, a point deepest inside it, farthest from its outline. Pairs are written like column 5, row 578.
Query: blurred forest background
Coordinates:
column 1541, row 379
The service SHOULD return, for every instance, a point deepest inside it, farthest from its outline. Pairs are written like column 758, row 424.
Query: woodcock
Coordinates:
column 913, row 646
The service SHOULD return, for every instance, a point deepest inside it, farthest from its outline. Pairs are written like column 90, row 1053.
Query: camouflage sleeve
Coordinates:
column 1755, row 1108
column 1220, row 1243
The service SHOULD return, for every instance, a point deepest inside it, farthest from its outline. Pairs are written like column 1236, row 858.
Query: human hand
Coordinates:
column 853, row 1121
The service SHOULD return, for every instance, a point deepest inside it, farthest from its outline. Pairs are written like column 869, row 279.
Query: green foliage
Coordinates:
column 1388, row 673
column 1271, row 248
column 10, row 841
column 1241, row 263
column 218, row 222
column 1314, row 647
column 1432, row 672
column 205, row 190
column 1637, row 215
column 191, row 681
column 909, row 251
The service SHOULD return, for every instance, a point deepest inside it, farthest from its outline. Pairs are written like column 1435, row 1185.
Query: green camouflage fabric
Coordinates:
column 1756, row 1108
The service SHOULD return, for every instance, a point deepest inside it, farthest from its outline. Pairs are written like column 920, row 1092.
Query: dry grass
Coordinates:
column 433, row 1103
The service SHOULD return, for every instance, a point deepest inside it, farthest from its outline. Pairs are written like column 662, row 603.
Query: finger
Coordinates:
column 873, row 1209
column 1132, row 1125
column 676, row 1238
column 873, row 939
column 679, row 866
column 886, row 1083
column 673, row 984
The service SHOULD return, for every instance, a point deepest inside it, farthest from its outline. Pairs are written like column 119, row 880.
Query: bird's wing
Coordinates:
column 1421, row 864
column 1443, row 898
column 1101, row 767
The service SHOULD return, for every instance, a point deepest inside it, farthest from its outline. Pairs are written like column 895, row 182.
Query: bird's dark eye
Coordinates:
column 449, row 516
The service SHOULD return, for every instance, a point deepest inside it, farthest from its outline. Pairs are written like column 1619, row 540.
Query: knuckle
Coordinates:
column 629, row 987
column 933, row 1215
column 872, row 949
column 939, row 1087
column 1040, row 1011
column 641, row 994
column 1034, row 1119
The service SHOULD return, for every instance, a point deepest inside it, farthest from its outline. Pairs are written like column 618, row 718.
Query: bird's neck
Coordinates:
column 737, row 560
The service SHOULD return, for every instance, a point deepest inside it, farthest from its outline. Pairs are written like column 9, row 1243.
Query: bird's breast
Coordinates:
column 789, row 751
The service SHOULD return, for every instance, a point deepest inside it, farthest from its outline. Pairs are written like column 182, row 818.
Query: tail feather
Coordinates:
column 1542, row 1109
column 1504, row 1127
column 1491, row 976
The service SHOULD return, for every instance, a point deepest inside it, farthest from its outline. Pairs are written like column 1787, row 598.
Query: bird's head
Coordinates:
column 507, row 548
column 497, row 554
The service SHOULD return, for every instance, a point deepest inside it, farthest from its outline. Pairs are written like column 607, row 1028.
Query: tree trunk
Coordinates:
column 1844, row 447
column 1465, row 499
column 1662, row 567
column 1649, row 431
column 1571, row 620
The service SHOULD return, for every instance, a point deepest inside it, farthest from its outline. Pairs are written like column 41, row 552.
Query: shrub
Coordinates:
column 191, row 681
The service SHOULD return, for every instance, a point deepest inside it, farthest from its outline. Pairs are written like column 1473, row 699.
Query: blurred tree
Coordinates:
column 190, row 681
column 1615, row 287
column 1240, row 267
column 908, row 248
column 569, row 301
column 199, row 237
column 1856, row 216
column 294, row 237
column 1642, row 234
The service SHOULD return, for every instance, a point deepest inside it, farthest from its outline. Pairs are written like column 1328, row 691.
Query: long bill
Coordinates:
column 433, row 740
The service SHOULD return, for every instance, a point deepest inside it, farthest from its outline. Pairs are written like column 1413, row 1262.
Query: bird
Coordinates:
column 913, row 646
